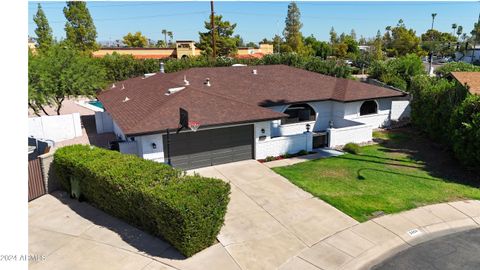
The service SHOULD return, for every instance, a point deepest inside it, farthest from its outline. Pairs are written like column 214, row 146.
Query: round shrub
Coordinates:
column 352, row 148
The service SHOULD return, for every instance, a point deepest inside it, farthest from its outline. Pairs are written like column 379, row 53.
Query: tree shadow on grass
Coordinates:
column 433, row 158
column 140, row 240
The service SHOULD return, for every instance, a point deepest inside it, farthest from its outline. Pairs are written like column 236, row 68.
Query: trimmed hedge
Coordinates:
column 187, row 211
column 351, row 148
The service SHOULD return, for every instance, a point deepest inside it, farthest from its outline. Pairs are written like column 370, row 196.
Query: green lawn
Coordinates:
column 403, row 171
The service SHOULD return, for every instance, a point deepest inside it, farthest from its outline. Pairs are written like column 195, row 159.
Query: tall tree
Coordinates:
column 353, row 34
column 43, row 30
column 291, row 33
column 136, row 40
column 476, row 32
column 80, row 30
column 403, row 41
column 333, row 36
column 378, row 44
column 225, row 42
column 454, row 27
column 459, row 31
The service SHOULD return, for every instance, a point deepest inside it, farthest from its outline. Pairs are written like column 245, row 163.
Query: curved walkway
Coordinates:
column 270, row 224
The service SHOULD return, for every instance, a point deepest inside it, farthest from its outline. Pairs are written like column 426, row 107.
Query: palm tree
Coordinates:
column 433, row 18
column 170, row 35
column 164, row 33
column 454, row 27
column 459, row 31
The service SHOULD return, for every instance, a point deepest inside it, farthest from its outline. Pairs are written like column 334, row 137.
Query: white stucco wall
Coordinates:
column 380, row 119
column 145, row 148
column 55, row 127
column 400, row 109
column 118, row 131
column 129, row 148
column 103, row 122
column 279, row 145
column 355, row 134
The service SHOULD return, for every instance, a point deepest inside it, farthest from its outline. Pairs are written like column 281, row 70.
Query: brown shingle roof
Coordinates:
column 471, row 79
column 236, row 95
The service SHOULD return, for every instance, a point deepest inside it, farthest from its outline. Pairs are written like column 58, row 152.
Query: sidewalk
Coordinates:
column 270, row 224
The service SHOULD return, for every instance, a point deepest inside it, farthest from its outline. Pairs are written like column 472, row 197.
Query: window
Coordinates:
column 368, row 107
column 299, row 113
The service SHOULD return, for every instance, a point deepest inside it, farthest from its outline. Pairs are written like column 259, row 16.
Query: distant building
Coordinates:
column 31, row 43
column 184, row 48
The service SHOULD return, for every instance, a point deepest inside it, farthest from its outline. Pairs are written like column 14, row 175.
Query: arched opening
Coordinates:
column 299, row 113
column 369, row 107
column 184, row 56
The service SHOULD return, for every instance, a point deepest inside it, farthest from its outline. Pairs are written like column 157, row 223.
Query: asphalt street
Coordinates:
column 455, row 251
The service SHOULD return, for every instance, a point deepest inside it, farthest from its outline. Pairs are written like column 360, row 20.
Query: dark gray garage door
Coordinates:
column 210, row 147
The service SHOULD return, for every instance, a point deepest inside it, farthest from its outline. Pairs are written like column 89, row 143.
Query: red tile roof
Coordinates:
column 236, row 95
column 471, row 79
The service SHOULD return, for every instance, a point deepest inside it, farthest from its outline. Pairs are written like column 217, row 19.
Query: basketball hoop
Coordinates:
column 193, row 125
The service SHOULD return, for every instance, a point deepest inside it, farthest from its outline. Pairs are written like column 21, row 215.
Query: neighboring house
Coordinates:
column 469, row 79
column 244, row 112
column 184, row 48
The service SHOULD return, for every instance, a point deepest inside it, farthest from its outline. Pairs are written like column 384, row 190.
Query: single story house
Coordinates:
column 244, row 112
column 471, row 80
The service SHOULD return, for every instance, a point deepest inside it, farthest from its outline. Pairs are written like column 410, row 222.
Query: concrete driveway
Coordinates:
column 270, row 224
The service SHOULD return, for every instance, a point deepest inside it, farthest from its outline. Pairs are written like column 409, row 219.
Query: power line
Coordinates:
column 139, row 17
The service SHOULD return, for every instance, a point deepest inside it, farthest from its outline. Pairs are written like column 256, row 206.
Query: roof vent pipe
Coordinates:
column 254, row 72
column 162, row 67
column 207, row 82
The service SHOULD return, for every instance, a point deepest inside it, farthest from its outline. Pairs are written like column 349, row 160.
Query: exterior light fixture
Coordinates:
column 308, row 127
column 330, row 124
column 154, row 145
column 263, row 131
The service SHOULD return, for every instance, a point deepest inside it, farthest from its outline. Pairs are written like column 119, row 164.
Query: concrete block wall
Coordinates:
column 49, row 178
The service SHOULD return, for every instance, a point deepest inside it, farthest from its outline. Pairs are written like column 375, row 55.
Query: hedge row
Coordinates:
column 450, row 115
column 187, row 211
column 121, row 67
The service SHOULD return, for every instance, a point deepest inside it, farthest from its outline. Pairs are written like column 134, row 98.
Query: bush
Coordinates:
column 187, row 211
column 270, row 158
column 465, row 123
column 302, row 153
column 455, row 66
column 352, row 148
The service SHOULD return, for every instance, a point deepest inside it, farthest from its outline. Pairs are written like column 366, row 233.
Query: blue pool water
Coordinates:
column 96, row 103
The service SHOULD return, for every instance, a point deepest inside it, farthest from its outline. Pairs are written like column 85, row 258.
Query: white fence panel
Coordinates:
column 285, row 144
column 356, row 134
column 128, row 148
column 56, row 127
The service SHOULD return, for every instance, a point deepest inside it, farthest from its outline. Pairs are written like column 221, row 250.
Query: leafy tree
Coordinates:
column 403, row 41
column 80, row 30
column 438, row 42
column 291, row 33
column 398, row 72
column 251, row 45
column 43, row 30
column 320, row 48
column 225, row 42
column 266, row 41
column 353, row 34
column 240, row 42
column 160, row 44
column 277, row 43
column 136, row 40
column 37, row 97
column 63, row 72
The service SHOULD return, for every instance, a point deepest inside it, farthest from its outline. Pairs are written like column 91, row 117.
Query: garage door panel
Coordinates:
column 211, row 147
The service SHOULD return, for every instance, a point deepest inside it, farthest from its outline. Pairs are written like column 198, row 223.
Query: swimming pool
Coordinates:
column 96, row 103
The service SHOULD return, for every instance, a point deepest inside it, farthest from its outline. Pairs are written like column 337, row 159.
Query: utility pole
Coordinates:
column 212, row 20
column 430, row 66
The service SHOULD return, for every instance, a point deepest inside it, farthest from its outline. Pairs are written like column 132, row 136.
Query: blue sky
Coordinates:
column 256, row 20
